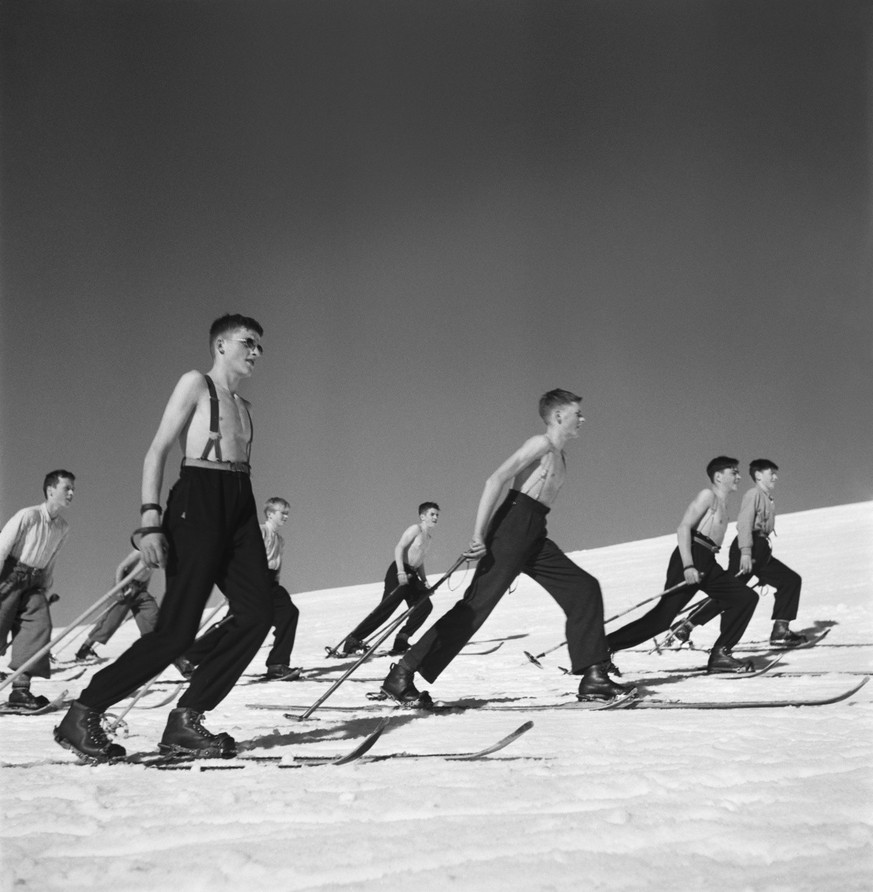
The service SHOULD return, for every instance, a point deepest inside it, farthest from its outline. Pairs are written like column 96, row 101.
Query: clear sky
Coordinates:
column 438, row 211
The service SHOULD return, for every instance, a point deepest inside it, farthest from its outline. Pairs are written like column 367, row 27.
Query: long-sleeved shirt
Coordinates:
column 757, row 514
column 34, row 537
column 274, row 544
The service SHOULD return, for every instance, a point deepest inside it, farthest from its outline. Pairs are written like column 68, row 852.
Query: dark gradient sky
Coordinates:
column 438, row 210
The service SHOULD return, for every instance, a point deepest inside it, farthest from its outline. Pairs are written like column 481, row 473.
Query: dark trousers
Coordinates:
column 285, row 617
column 517, row 543
column 24, row 612
column 211, row 525
column 736, row 603
column 770, row 571
column 414, row 592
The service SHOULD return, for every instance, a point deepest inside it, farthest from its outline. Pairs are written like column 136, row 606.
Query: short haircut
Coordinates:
column 554, row 399
column 426, row 506
column 277, row 503
column 231, row 322
column 720, row 463
column 761, row 464
column 53, row 478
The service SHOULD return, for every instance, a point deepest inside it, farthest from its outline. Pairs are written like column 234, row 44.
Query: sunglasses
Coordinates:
column 251, row 344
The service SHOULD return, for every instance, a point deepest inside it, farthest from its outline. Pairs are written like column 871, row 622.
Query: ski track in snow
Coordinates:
column 766, row 800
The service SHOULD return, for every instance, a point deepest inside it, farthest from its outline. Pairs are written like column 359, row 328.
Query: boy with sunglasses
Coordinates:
column 208, row 536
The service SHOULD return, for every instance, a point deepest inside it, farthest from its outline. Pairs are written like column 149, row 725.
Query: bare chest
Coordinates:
column 219, row 430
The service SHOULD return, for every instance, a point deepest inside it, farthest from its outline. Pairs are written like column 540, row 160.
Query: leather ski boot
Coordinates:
column 398, row 685
column 86, row 652
column 401, row 645
column 353, row 646
column 281, row 672
column 186, row 736
column 24, row 698
column 597, row 685
column 81, row 730
column 722, row 660
column 782, row 636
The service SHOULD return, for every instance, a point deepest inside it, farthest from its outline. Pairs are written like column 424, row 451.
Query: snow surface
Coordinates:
column 769, row 800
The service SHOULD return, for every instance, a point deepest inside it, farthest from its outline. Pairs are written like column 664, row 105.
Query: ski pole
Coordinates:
column 71, row 629
column 111, row 726
column 92, row 623
column 395, row 624
column 536, row 659
column 85, row 628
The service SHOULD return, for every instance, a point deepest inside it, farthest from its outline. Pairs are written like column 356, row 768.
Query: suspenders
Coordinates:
column 214, row 441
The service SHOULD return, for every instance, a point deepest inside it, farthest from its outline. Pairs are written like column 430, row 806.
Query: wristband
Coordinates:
column 143, row 531
column 689, row 567
column 150, row 506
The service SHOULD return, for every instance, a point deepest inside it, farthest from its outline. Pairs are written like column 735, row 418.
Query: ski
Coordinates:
column 56, row 704
column 296, row 674
column 816, row 673
column 442, row 707
column 69, row 664
column 156, row 760
column 451, row 757
column 463, row 653
column 176, row 761
column 338, row 654
column 761, row 670
column 645, row 703
column 759, row 646
column 702, row 670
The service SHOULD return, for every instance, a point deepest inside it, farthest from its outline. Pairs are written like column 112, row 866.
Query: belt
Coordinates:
column 13, row 565
column 706, row 542
column 233, row 467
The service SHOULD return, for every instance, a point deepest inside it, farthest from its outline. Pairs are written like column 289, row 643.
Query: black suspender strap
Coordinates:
column 214, row 441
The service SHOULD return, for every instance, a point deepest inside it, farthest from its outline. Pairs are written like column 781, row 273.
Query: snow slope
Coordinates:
column 769, row 800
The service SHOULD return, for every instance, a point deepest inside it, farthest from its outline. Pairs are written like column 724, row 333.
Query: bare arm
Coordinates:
column 534, row 449
column 745, row 524
column 177, row 413
column 693, row 513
